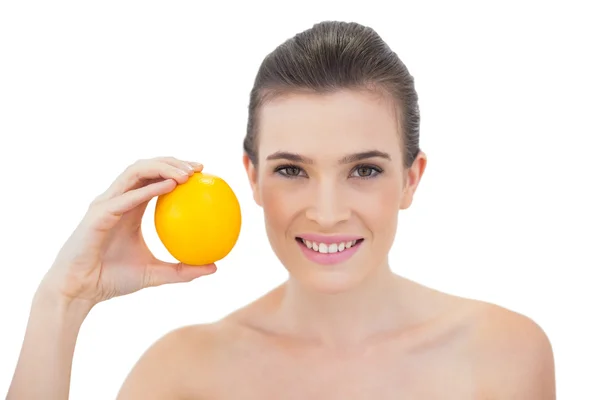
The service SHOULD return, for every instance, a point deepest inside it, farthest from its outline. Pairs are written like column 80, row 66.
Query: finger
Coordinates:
column 127, row 201
column 160, row 272
column 185, row 165
column 138, row 174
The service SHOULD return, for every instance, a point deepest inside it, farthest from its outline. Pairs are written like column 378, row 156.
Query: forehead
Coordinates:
column 330, row 124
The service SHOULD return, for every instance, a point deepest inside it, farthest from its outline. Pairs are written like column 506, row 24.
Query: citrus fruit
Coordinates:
column 199, row 221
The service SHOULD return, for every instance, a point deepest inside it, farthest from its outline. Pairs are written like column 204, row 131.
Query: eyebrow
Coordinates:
column 350, row 158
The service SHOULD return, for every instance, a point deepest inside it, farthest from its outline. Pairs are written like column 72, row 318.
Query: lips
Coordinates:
column 329, row 250
column 328, row 247
column 328, row 244
column 328, row 239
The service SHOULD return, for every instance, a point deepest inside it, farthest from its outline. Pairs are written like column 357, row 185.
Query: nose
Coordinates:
column 329, row 206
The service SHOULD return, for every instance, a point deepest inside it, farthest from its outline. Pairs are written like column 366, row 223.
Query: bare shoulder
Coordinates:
column 512, row 354
column 193, row 361
column 178, row 365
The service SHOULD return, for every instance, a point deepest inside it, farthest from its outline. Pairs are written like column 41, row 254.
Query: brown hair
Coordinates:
column 331, row 56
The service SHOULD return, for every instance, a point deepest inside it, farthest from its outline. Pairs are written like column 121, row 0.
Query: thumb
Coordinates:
column 161, row 272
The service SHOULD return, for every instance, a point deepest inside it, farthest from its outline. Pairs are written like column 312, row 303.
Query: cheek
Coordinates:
column 279, row 205
column 378, row 207
column 390, row 197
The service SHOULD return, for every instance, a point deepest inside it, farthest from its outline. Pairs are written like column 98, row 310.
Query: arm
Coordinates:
column 517, row 356
column 167, row 370
column 530, row 367
column 44, row 367
column 104, row 257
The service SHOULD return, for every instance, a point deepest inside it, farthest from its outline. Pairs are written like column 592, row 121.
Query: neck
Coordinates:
column 345, row 318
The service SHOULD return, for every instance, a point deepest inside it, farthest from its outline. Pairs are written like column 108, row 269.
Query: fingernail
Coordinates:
column 196, row 165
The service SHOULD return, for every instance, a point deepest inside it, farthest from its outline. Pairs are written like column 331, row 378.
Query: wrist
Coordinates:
column 55, row 303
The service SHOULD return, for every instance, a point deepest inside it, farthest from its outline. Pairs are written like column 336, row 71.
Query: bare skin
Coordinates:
column 449, row 348
column 105, row 257
column 328, row 165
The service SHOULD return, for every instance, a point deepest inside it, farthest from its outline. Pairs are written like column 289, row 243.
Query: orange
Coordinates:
column 199, row 221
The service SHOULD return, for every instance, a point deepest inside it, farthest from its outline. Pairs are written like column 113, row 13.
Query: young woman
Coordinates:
column 332, row 155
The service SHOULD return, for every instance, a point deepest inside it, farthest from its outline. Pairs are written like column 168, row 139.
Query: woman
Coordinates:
column 332, row 154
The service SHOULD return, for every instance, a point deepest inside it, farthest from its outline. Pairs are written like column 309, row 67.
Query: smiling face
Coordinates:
column 331, row 181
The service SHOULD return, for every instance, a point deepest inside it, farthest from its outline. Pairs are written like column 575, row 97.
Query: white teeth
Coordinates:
column 328, row 248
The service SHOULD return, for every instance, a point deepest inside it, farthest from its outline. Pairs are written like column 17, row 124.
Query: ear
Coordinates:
column 252, row 173
column 412, row 177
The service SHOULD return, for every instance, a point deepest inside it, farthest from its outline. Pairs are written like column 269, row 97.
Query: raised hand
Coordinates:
column 106, row 255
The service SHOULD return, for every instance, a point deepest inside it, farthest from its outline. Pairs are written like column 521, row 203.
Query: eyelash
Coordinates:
column 376, row 171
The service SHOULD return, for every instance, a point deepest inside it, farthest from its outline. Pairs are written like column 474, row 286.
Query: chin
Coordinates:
column 328, row 279
column 329, row 282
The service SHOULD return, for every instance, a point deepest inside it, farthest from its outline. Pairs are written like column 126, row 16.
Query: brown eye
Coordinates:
column 364, row 171
column 292, row 171
column 289, row 171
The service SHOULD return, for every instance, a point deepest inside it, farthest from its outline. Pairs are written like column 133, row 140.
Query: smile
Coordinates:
column 327, row 248
column 329, row 253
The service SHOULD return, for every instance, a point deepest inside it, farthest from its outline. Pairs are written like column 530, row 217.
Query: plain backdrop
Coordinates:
column 507, row 211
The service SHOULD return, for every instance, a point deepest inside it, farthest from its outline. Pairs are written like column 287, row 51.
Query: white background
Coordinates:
column 507, row 211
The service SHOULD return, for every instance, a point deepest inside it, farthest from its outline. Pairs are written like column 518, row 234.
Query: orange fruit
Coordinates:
column 199, row 221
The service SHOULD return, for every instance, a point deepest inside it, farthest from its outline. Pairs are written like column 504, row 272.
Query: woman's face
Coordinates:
column 330, row 179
